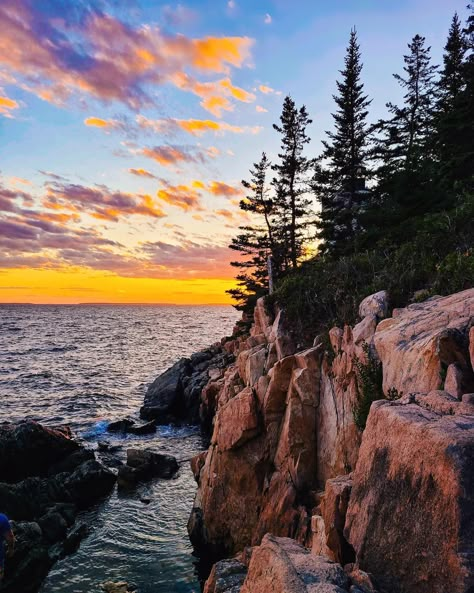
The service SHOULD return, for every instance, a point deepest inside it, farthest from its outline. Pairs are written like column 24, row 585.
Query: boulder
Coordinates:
column 164, row 394
column 30, row 449
column 418, row 345
column 281, row 565
column 410, row 516
column 281, row 337
column 375, row 304
column 227, row 576
column 143, row 465
column 175, row 396
column 121, row 425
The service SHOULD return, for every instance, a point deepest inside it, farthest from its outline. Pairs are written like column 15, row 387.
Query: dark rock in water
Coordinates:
column 148, row 428
column 120, row 425
column 74, row 538
column 43, row 500
column 143, row 465
column 53, row 526
column 30, row 449
column 175, row 394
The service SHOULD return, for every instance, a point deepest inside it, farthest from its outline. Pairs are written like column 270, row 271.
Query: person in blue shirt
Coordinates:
column 6, row 537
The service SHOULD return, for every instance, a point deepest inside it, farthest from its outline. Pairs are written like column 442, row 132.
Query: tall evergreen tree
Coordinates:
column 254, row 242
column 452, row 80
column 456, row 126
column 450, row 88
column 405, row 146
column 411, row 125
column 344, row 159
column 292, row 184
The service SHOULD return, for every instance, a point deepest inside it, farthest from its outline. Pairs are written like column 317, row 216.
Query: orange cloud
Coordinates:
column 195, row 127
column 219, row 188
column 86, row 62
column 267, row 90
column 173, row 155
column 142, row 173
column 7, row 106
column 100, row 123
column 215, row 95
column 181, row 196
column 225, row 214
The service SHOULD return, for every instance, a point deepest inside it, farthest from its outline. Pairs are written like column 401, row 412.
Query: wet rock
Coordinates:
column 120, row 587
column 74, row 538
column 121, row 425
column 143, row 465
column 30, row 449
column 281, row 565
column 410, row 516
column 227, row 576
column 176, row 394
column 148, row 428
column 53, row 526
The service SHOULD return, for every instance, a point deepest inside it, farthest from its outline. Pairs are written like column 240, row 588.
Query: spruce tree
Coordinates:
column 452, row 80
column 344, row 160
column 456, row 126
column 411, row 124
column 254, row 242
column 292, row 185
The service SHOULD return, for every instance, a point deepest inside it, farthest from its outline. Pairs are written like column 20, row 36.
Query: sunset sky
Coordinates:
column 126, row 127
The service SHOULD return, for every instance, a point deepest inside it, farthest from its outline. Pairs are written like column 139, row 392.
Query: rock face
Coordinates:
column 280, row 565
column 176, row 394
column 410, row 516
column 46, row 479
column 396, row 506
column 419, row 343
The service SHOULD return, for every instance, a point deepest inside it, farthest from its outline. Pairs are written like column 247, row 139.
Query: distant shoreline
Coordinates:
column 116, row 304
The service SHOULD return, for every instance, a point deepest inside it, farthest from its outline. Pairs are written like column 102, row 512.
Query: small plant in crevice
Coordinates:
column 369, row 385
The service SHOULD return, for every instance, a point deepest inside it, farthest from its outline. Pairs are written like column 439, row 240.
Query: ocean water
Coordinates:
column 85, row 366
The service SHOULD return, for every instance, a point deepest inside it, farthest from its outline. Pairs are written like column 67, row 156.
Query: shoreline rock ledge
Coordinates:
column 291, row 490
column 46, row 479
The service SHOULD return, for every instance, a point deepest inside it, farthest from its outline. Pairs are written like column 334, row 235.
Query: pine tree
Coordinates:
column 344, row 159
column 255, row 242
column 452, row 80
column 450, row 88
column 405, row 147
column 292, row 185
column 456, row 126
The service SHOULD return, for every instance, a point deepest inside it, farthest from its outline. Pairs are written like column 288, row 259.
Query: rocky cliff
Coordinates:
column 288, row 458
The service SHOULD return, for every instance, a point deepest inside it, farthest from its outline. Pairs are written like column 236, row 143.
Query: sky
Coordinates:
column 127, row 126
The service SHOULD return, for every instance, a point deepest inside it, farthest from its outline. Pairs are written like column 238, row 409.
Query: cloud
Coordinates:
column 7, row 105
column 181, row 196
column 215, row 95
column 219, row 188
column 97, row 122
column 231, row 4
column 261, row 109
column 58, row 57
column 267, row 19
column 168, row 155
column 195, row 127
column 224, row 213
column 100, row 202
column 142, row 173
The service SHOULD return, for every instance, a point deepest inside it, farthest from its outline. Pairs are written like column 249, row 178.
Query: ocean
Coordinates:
column 85, row 366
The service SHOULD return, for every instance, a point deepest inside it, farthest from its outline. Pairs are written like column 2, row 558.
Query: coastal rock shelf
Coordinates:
column 47, row 478
column 392, row 504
